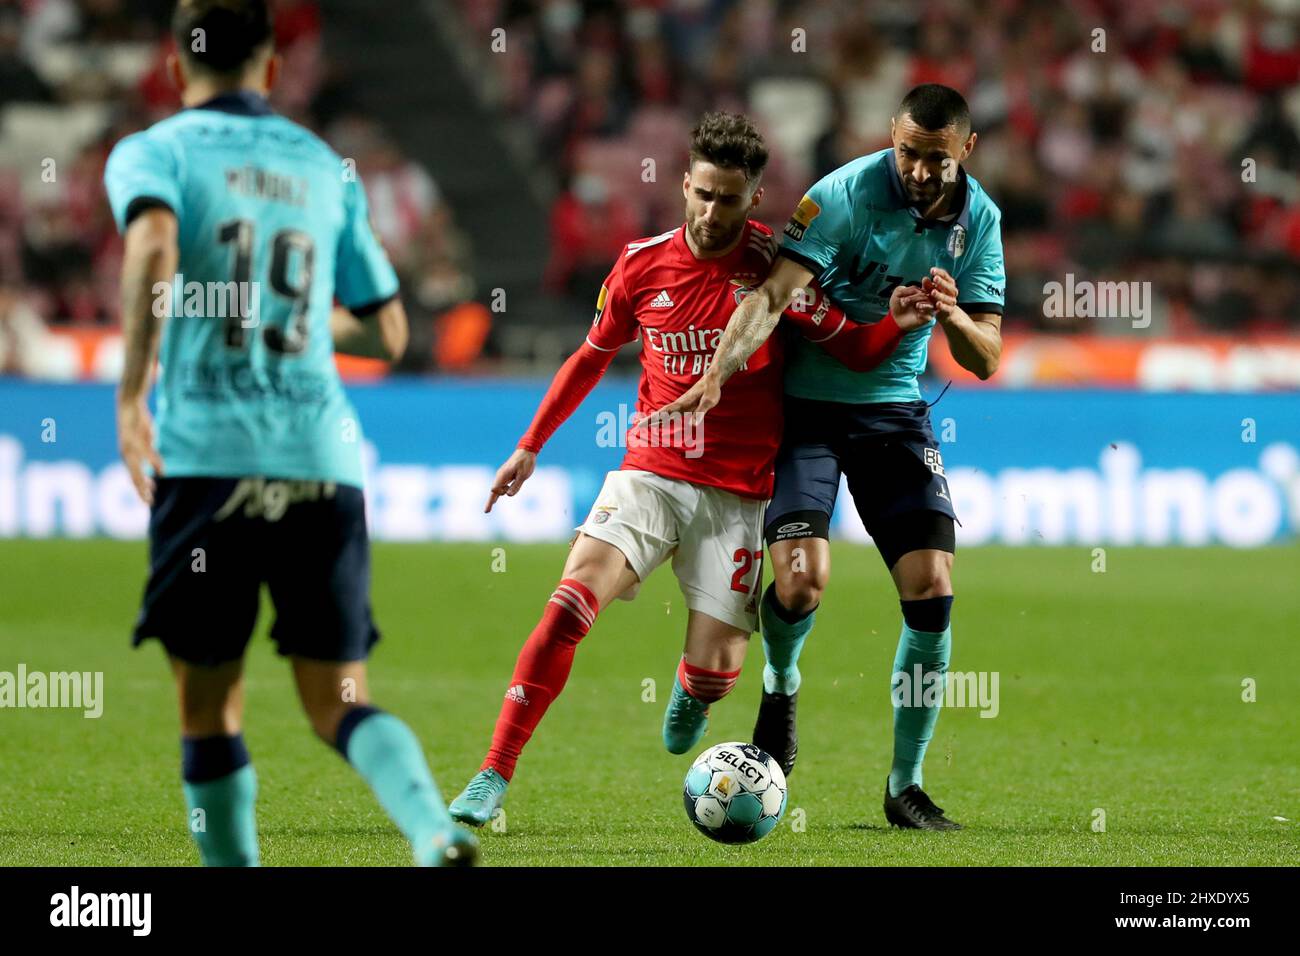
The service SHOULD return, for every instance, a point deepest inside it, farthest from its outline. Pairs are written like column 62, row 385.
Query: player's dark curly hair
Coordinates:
column 729, row 140
column 232, row 32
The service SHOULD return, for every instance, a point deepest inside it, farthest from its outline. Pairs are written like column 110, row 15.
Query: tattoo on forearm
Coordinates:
column 750, row 325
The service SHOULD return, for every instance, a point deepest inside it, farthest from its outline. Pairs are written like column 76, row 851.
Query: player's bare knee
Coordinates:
column 802, row 568
column 325, row 721
column 211, row 719
column 593, row 579
column 327, row 691
column 801, row 591
column 325, row 711
column 211, row 699
column 926, row 579
column 601, row 570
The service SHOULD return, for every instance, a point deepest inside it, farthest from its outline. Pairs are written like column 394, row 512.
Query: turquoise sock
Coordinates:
column 388, row 756
column 782, row 643
column 222, row 818
column 914, row 722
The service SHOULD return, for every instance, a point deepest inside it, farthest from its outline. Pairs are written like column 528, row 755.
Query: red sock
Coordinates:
column 540, row 672
column 706, row 686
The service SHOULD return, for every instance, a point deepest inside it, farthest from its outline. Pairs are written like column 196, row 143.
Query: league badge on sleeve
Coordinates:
column 804, row 214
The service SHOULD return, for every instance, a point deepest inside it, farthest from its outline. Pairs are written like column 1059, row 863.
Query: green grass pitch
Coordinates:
column 1120, row 692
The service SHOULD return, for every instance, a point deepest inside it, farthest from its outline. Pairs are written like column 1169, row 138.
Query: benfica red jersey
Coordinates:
column 679, row 305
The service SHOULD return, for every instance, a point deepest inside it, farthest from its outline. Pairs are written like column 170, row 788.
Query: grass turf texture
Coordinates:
column 1120, row 691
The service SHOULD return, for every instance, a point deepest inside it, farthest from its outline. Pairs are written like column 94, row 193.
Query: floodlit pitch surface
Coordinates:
column 1121, row 734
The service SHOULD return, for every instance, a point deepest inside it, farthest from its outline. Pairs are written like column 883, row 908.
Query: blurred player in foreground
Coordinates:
column 695, row 496
column 907, row 215
column 257, row 468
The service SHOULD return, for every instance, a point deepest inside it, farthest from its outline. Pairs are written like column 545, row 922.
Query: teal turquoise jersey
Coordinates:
column 857, row 233
column 273, row 227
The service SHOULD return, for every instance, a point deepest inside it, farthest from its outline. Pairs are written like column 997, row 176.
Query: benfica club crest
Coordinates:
column 745, row 283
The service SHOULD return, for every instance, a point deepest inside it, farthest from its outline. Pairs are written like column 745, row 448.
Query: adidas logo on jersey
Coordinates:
column 516, row 693
column 661, row 301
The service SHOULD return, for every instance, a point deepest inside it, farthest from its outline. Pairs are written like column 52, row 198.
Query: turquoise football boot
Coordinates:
column 685, row 720
column 480, row 798
column 453, row 846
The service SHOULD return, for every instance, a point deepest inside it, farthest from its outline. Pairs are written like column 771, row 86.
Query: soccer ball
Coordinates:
column 735, row 793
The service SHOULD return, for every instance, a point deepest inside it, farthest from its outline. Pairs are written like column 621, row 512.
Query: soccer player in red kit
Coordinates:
column 696, row 495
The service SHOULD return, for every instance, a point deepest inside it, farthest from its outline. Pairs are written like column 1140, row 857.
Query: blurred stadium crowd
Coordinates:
column 75, row 77
column 1125, row 164
column 1164, row 148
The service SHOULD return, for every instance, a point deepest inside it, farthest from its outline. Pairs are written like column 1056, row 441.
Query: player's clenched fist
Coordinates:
column 911, row 307
column 511, row 476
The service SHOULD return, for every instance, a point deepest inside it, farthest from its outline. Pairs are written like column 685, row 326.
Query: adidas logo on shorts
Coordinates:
column 516, row 693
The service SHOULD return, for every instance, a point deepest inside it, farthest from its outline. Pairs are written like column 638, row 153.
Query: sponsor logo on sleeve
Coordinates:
column 804, row 214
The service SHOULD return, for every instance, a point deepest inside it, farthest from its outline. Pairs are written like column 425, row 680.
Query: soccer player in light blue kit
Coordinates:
column 906, row 215
column 257, row 469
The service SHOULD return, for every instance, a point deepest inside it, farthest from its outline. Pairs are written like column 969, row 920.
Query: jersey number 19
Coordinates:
column 295, row 287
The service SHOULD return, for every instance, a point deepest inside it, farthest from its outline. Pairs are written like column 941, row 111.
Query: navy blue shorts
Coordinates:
column 887, row 451
column 213, row 542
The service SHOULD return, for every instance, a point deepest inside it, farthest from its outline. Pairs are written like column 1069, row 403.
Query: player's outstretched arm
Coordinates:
column 380, row 334
column 572, row 383
column 856, row 345
column 148, row 267
column 974, row 340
